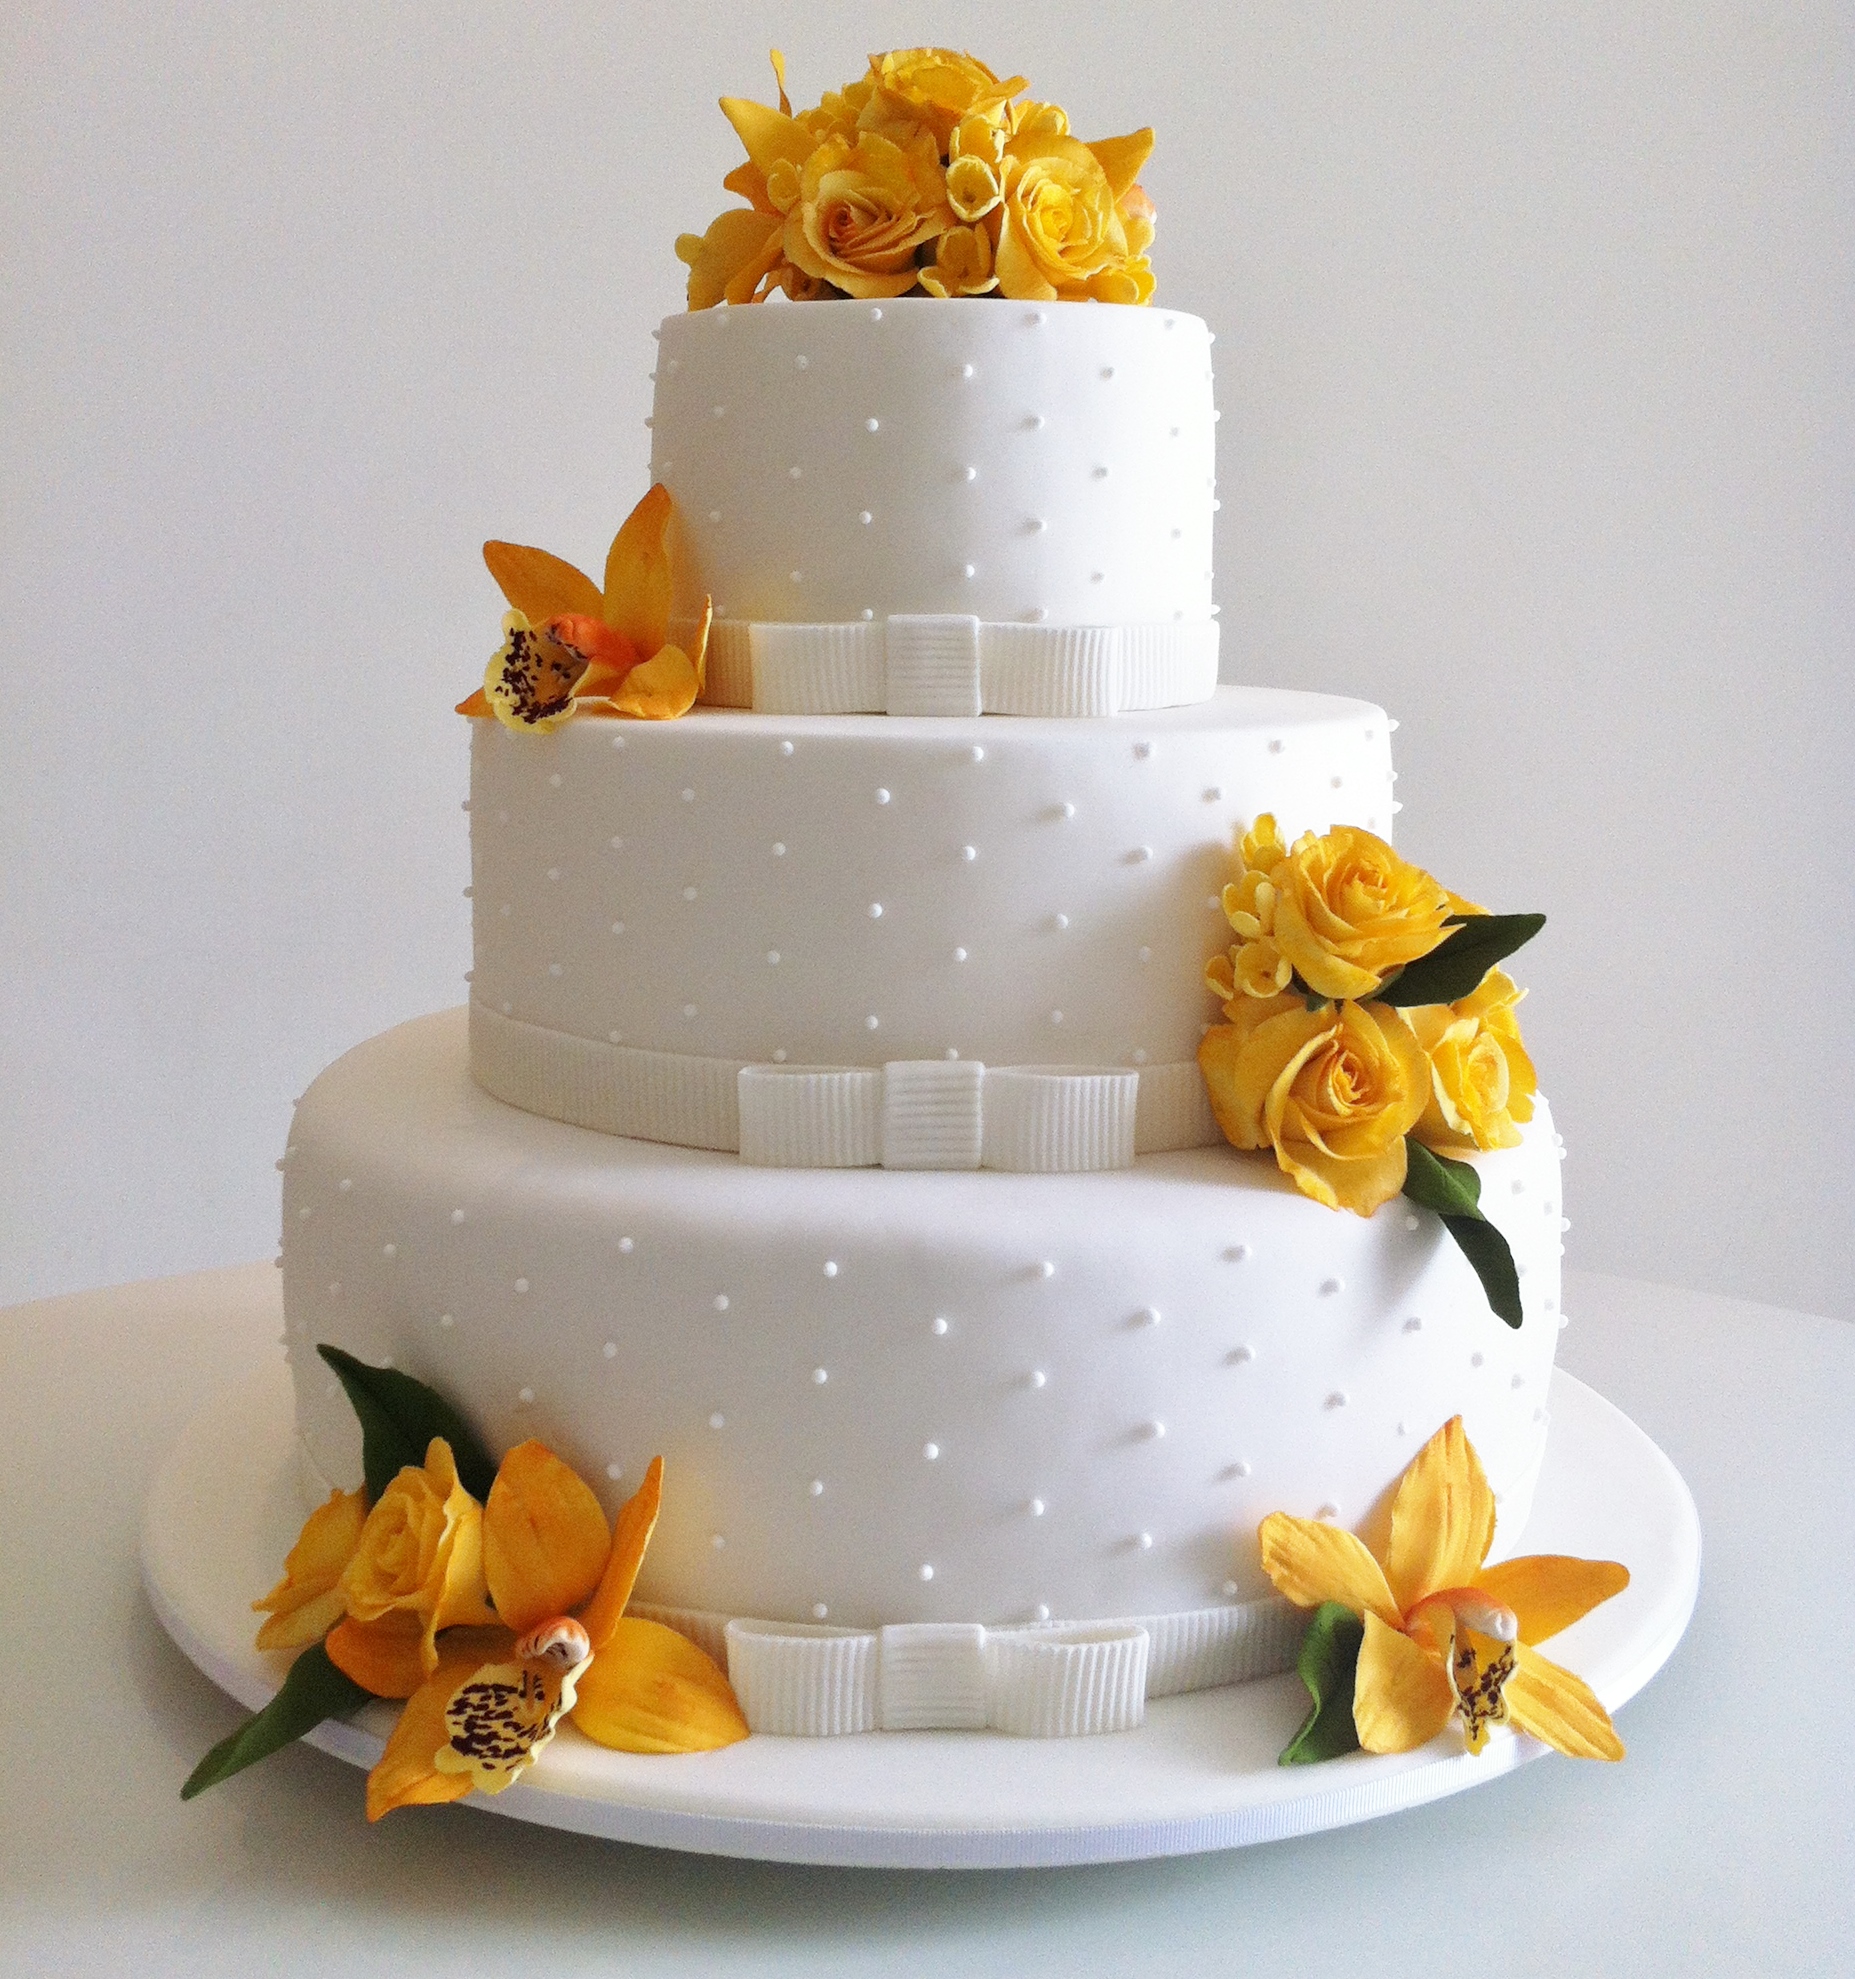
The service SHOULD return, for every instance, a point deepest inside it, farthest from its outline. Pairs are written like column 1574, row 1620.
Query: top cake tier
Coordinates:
column 842, row 462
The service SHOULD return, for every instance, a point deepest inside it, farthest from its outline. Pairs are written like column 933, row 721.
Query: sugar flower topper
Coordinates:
column 1400, row 1646
column 570, row 647
column 1369, row 1035
column 925, row 176
column 489, row 1597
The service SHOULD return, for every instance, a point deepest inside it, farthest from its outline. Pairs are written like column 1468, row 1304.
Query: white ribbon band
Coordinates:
column 1058, row 1680
column 952, row 664
column 928, row 1113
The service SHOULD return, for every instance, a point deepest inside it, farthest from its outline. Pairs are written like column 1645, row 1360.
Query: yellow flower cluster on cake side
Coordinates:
column 927, row 175
column 494, row 1621
column 1310, row 1063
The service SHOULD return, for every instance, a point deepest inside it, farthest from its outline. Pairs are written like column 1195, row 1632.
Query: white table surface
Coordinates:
column 1720, row 1846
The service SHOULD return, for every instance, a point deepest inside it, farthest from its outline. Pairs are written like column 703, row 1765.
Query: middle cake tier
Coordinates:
column 657, row 905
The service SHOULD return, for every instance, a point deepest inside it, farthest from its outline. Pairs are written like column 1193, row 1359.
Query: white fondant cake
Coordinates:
column 735, row 889
column 872, row 922
column 1069, row 1396
column 1027, row 464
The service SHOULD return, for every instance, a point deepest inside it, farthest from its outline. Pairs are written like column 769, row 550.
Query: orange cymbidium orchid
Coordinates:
column 570, row 648
column 1445, row 1634
column 494, row 1701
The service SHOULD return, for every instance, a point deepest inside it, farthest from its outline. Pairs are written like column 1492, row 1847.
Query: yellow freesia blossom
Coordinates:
column 307, row 1602
column 571, row 648
column 1332, row 1091
column 1445, row 1634
column 493, row 1701
column 1482, row 1081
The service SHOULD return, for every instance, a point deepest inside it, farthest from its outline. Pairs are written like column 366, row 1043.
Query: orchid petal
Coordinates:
column 637, row 575
column 1311, row 1561
column 540, row 586
column 768, row 135
column 1401, row 1695
column 407, row 1774
column 659, row 690
column 1559, row 1709
column 1122, row 157
column 631, row 1534
column 1550, row 1591
column 384, row 1657
column 1442, row 1519
column 610, row 656
column 545, row 1539
column 477, row 706
column 649, row 1689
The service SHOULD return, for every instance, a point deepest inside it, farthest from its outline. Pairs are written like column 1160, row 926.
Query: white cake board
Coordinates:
column 1200, row 1774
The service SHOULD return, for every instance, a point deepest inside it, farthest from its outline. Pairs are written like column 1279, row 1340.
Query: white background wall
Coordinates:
column 1535, row 358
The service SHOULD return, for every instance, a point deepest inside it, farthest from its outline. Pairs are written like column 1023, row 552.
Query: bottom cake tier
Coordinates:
column 886, row 1397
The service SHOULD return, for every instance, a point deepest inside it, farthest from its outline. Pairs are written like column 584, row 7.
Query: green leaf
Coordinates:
column 1327, row 1663
column 1455, row 969
column 313, row 1690
column 1486, row 1249
column 1453, row 1190
column 399, row 1418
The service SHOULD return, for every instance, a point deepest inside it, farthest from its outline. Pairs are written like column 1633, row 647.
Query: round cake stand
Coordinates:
column 1199, row 1774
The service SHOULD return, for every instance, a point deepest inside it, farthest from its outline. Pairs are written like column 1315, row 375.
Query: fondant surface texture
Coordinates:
column 859, row 890
column 839, row 461
column 892, row 1397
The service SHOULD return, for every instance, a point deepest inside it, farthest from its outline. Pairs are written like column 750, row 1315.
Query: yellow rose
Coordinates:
column 1333, row 1091
column 939, row 88
column 420, row 1556
column 1130, row 280
column 1482, row 1082
column 307, row 1602
column 1062, row 224
column 863, row 209
column 1348, row 911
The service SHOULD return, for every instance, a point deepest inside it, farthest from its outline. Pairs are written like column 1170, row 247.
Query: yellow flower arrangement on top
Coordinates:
column 925, row 176
column 1365, row 1019
column 489, row 1597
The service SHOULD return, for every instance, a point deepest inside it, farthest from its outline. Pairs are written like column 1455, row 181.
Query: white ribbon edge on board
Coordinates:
column 910, row 1113
column 952, row 664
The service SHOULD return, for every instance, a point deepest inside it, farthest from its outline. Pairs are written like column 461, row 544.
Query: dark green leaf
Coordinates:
column 313, row 1690
column 1486, row 1249
column 1455, row 969
column 1451, row 1188
column 1329, row 1657
column 399, row 1417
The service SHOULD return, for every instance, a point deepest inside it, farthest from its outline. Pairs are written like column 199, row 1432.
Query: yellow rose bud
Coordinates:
column 862, row 211
column 1061, row 222
column 421, row 1554
column 307, row 1602
column 1332, row 1091
column 1349, row 911
column 1482, row 1083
